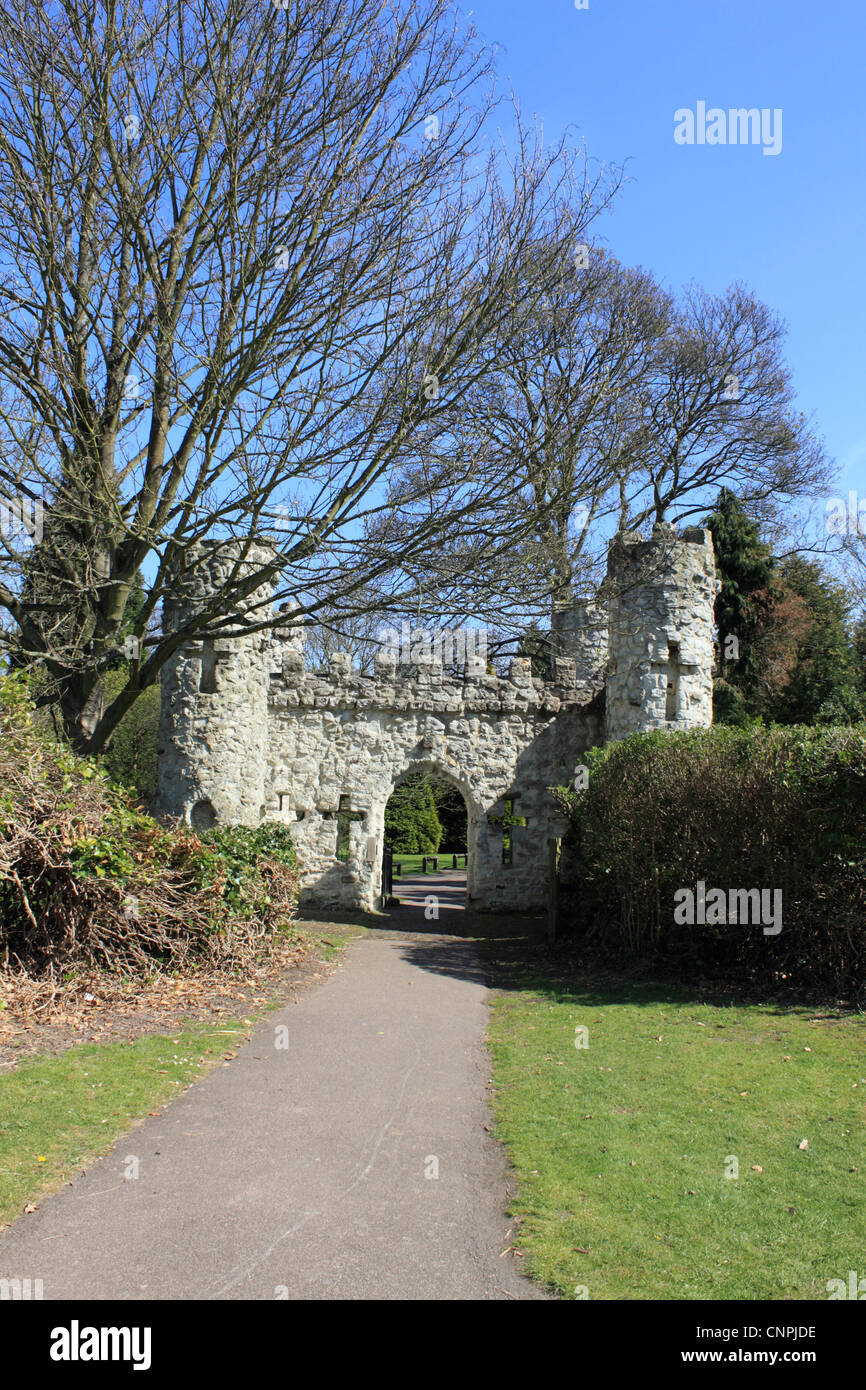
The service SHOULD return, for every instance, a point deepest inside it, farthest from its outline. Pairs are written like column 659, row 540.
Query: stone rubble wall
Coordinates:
column 213, row 748
column 661, row 598
column 346, row 734
column 579, row 629
column 276, row 741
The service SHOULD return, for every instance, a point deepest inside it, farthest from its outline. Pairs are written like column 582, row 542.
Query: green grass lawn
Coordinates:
column 57, row 1114
column 622, row 1147
column 413, row 863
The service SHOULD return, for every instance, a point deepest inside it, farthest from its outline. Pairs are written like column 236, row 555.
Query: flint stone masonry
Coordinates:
column 579, row 629
column 357, row 736
column 249, row 734
column 213, row 746
column 660, row 665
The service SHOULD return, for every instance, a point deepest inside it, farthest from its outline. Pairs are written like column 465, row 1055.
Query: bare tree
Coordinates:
column 543, row 428
column 359, row 635
column 716, row 409
column 615, row 404
column 563, row 408
column 240, row 244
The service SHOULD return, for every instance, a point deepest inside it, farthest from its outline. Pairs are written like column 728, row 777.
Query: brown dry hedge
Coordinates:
column 87, row 879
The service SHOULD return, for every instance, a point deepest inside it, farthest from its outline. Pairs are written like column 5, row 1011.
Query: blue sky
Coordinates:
column 791, row 225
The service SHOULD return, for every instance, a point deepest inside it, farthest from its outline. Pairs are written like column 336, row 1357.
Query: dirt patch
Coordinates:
column 112, row 1008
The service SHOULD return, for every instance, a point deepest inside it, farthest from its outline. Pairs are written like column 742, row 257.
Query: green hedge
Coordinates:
column 772, row 809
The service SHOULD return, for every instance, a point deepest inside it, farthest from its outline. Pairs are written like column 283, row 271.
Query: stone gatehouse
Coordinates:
column 248, row 733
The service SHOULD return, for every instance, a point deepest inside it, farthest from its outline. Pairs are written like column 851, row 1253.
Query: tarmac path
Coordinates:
column 355, row 1163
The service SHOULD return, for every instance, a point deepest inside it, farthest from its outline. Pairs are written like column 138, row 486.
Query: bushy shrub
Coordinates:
column 87, row 877
column 767, row 808
column 131, row 756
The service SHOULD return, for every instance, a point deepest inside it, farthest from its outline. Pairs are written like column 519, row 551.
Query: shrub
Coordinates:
column 772, row 808
column 131, row 756
column 86, row 877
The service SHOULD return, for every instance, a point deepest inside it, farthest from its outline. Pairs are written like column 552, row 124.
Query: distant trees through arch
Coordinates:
column 426, row 813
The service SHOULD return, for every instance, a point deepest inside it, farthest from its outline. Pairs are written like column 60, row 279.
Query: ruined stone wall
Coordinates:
column 661, row 597
column 247, row 733
column 353, row 736
column 579, row 631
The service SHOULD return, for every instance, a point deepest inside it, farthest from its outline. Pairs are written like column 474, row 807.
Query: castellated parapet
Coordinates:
column 249, row 733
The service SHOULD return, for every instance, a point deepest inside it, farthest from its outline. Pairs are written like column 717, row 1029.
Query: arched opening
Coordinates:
column 427, row 844
column 203, row 815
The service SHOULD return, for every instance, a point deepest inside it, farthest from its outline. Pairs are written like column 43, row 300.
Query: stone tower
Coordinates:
column 579, row 628
column 213, row 735
column 661, row 597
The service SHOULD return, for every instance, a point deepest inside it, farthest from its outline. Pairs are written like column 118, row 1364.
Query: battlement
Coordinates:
column 666, row 552
column 421, row 686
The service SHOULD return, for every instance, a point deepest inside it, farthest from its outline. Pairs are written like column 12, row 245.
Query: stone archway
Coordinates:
column 439, row 769
column 268, row 738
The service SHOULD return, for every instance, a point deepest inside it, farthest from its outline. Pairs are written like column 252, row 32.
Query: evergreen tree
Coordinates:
column 745, row 599
column 786, row 652
column 451, row 809
column 412, row 824
column 825, row 683
column 536, row 644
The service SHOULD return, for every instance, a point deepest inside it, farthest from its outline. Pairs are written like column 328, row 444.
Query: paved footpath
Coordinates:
column 304, row 1169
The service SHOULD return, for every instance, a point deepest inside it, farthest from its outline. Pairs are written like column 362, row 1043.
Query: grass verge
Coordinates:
column 60, row 1113
column 414, row 863
column 625, row 1148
